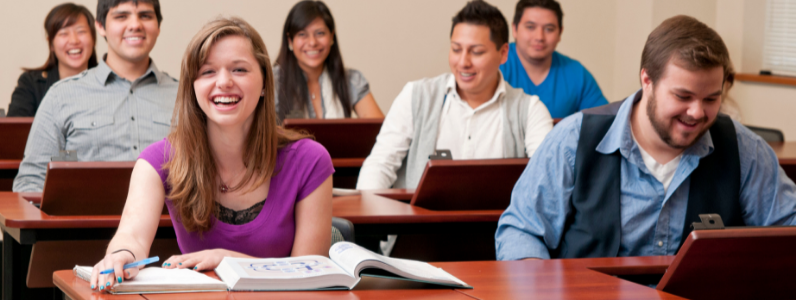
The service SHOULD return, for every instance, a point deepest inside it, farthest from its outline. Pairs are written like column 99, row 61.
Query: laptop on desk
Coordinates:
column 734, row 263
column 343, row 138
column 86, row 188
column 468, row 184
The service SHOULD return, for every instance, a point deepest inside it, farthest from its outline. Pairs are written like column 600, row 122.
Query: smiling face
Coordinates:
column 312, row 45
column 73, row 45
column 229, row 83
column 131, row 32
column 537, row 33
column 474, row 59
column 683, row 104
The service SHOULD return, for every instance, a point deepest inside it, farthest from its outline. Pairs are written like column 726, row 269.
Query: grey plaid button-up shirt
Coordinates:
column 102, row 116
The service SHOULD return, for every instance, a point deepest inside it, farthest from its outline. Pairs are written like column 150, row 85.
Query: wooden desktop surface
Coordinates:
column 591, row 278
column 9, row 164
column 347, row 162
column 369, row 208
column 396, row 194
column 17, row 211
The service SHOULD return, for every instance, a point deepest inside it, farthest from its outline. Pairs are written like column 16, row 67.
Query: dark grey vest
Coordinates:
column 593, row 228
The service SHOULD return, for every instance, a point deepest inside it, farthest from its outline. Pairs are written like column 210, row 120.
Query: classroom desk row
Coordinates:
column 346, row 172
column 24, row 225
column 347, row 168
column 591, row 278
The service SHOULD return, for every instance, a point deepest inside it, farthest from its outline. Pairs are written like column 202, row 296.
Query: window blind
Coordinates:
column 779, row 38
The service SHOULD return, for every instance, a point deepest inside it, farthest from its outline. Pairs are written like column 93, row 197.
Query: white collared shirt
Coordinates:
column 468, row 133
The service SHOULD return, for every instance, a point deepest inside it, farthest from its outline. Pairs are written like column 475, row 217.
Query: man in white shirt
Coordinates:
column 471, row 111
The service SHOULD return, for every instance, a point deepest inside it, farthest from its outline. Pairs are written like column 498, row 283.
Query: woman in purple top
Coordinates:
column 235, row 183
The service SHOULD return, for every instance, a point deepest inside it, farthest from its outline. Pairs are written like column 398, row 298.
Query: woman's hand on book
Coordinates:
column 198, row 261
column 115, row 261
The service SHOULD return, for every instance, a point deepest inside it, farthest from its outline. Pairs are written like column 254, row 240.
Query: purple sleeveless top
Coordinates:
column 301, row 167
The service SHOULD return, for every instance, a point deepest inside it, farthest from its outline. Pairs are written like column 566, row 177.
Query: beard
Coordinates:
column 662, row 127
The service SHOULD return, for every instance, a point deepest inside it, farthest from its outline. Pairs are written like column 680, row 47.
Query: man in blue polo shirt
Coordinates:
column 533, row 65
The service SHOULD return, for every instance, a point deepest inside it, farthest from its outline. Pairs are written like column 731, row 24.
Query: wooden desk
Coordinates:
column 429, row 235
column 8, row 171
column 560, row 278
column 347, row 169
column 368, row 288
column 24, row 225
column 546, row 279
column 404, row 195
column 13, row 136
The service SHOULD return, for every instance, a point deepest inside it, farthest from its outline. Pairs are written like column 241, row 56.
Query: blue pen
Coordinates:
column 132, row 265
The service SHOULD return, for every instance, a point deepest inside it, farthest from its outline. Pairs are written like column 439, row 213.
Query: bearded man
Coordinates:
column 629, row 178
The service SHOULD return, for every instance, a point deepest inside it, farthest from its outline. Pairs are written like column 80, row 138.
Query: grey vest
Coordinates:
column 427, row 101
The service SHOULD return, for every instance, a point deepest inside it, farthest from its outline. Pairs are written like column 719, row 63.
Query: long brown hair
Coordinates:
column 64, row 15
column 192, row 171
column 293, row 93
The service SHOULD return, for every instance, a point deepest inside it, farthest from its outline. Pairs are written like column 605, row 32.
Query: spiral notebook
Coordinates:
column 158, row 280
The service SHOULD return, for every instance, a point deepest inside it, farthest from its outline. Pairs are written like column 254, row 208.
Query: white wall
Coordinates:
column 393, row 42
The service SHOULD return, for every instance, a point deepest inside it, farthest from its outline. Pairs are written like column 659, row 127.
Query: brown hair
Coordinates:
column 192, row 171
column 551, row 5
column 65, row 15
column 694, row 46
column 478, row 12
column 293, row 92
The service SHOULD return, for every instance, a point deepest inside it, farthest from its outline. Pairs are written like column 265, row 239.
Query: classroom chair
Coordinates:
column 342, row 230
column 768, row 134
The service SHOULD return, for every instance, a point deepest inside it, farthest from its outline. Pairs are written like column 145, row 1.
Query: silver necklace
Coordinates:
column 224, row 188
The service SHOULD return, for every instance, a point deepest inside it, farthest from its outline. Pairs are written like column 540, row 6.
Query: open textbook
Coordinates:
column 347, row 263
column 157, row 280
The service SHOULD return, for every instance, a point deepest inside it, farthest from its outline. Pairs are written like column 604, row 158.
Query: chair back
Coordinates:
column 14, row 134
column 343, row 138
column 768, row 134
column 87, row 188
column 345, row 229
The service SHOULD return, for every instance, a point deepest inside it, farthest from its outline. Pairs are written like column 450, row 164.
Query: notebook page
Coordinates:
column 156, row 276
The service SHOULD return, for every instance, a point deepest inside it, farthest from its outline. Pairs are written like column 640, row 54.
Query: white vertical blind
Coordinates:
column 779, row 38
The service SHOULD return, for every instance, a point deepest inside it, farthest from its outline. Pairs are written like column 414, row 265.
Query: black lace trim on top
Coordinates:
column 233, row 217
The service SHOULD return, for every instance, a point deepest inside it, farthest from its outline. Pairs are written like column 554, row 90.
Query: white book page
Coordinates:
column 354, row 258
column 348, row 255
column 284, row 268
column 156, row 276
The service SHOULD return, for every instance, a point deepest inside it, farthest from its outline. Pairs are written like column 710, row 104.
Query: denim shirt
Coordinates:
column 652, row 218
